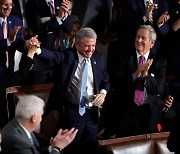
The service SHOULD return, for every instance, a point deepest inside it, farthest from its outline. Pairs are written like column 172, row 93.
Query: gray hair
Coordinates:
column 85, row 32
column 28, row 106
column 152, row 33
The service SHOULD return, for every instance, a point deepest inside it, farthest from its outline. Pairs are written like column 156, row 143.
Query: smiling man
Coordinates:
column 140, row 80
column 71, row 95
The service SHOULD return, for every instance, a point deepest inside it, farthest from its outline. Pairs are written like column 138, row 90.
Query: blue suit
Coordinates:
column 58, row 100
column 18, row 44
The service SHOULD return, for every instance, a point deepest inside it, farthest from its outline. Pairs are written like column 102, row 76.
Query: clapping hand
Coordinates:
column 64, row 7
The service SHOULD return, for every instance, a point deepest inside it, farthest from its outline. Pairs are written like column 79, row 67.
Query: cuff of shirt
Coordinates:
column 8, row 42
column 59, row 20
column 145, row 19
column 38, row 51
column 159, row 25
column 103, row 91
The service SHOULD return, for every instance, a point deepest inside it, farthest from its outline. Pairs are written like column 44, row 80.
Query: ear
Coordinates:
column 152, row 43
column 33, row 119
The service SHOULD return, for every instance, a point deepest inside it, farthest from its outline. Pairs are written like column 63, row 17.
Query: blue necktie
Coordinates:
column 83, row 87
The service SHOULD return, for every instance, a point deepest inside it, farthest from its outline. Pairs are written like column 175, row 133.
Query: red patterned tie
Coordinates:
column 53, row 14
column 139, row 92
column 4, row 26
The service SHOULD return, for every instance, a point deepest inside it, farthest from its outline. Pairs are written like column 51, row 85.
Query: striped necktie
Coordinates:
column 139, row 91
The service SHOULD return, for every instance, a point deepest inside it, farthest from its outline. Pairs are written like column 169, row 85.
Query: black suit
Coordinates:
column 130, row 115
column 16, row 141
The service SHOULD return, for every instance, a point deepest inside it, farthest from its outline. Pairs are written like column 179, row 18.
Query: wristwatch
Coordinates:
column 58, row 149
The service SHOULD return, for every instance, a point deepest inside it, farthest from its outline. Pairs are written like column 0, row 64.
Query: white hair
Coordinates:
column 28, row 106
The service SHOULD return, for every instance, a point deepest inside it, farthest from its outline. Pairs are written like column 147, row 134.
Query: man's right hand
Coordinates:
column 64, row 7
column 63, row 138
column 13, row 33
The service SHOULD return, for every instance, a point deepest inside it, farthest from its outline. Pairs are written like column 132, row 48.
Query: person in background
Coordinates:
column 69, row 39
column 49, row 20
column 11, row 37
column 18, row 137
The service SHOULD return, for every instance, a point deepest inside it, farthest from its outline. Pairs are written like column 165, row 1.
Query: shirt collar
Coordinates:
column 145, row 55
column 27, row 132
column 48, row 1
column 2, row 19
column 81, row 58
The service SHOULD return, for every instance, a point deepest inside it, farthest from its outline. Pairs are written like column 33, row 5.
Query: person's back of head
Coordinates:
column 28, row 106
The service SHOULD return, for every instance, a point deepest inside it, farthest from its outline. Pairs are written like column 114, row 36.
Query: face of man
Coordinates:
column 142, row 41
column 5, row 7
column 87, row 47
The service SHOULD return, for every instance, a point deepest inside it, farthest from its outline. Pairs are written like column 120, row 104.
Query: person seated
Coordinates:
column 18, row 137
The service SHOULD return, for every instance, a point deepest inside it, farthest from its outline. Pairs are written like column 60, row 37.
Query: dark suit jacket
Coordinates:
column 18, row 44
column 16, row 141
column 154, row 84
column 15, row 78
column 67, row 62
column 47, row 31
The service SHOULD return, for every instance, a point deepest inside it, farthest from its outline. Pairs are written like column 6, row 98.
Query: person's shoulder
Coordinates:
column 13, row 18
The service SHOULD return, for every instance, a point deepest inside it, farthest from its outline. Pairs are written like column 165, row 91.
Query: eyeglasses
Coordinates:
column 7, row 5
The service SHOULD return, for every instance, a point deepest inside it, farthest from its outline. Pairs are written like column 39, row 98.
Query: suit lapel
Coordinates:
column 9, row 25
column 95, row 71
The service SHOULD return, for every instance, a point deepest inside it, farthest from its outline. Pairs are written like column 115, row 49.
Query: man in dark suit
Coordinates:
column 18, row 137
column 14, row 39
column 50, row 29
column 65, row 94
column 48, row 26
column 139, row 88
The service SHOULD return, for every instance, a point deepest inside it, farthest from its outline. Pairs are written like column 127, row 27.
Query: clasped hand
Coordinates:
column 143, row 69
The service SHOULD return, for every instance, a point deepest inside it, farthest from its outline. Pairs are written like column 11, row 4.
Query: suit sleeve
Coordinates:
column 155, row 81
column 18, row 76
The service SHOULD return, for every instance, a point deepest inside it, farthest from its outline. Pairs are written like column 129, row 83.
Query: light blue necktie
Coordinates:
column 83, row 87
